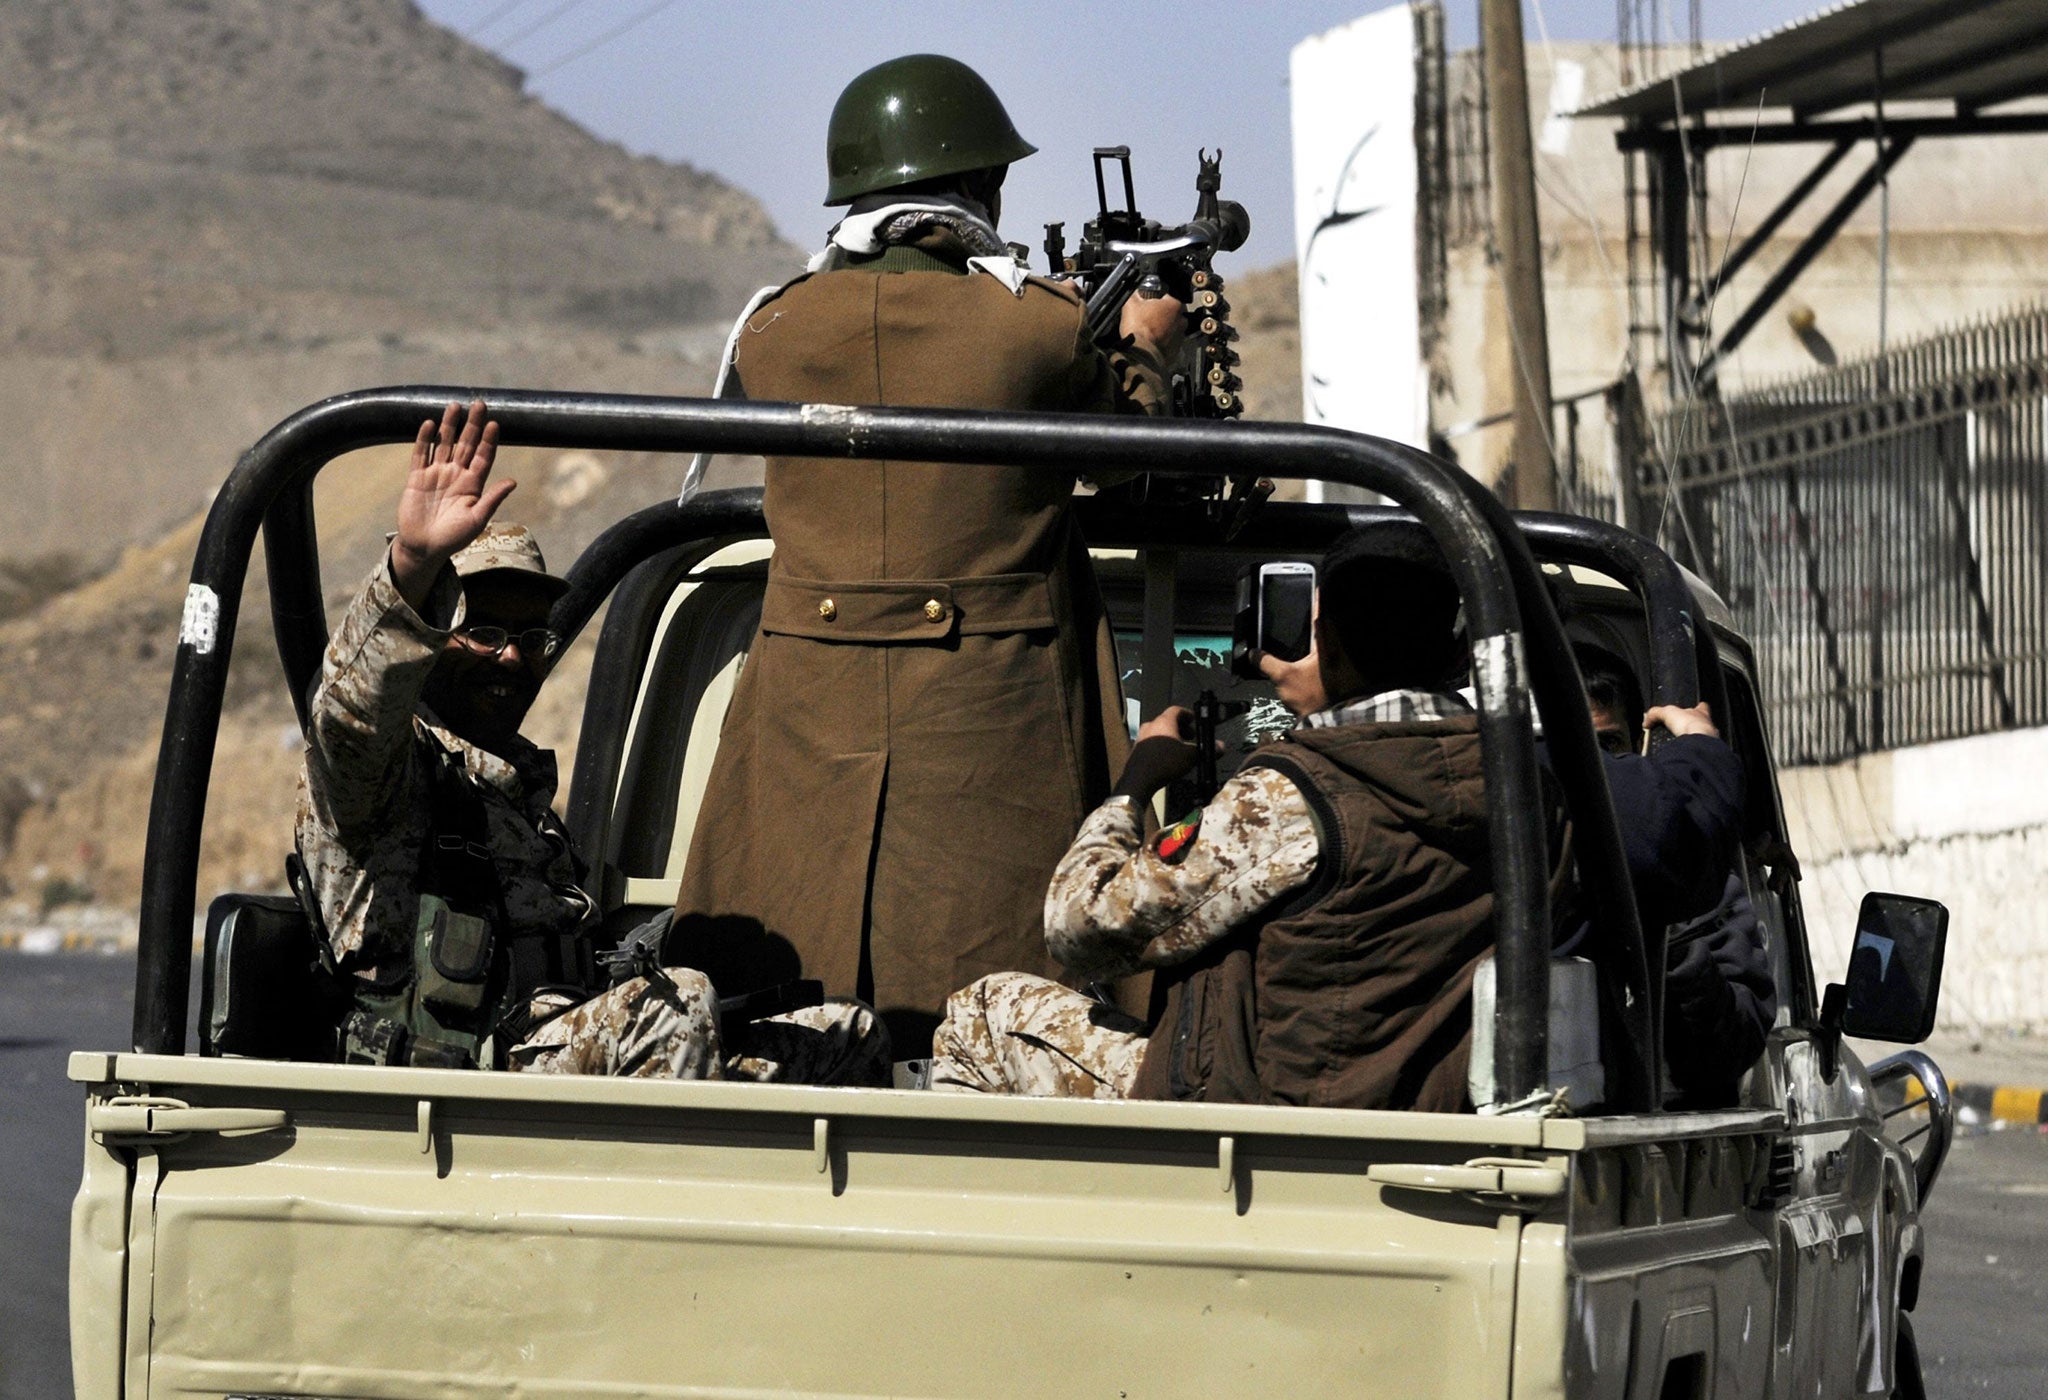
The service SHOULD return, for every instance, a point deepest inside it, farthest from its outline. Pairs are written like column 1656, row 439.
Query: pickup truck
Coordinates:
column 255, row 1223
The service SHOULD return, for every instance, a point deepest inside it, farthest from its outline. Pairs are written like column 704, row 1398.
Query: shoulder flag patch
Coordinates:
column 1175, row 840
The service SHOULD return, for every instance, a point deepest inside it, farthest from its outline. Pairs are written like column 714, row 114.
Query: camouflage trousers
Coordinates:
column 1012, row 1033
column 641, row 1028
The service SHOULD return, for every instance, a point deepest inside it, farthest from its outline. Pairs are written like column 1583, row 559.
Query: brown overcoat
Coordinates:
column 931, row 705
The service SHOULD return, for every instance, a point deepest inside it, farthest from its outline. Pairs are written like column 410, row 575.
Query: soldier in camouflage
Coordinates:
column 431, row 672
column 1118, row 904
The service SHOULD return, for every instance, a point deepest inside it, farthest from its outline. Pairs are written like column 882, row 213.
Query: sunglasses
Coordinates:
column 535, row 643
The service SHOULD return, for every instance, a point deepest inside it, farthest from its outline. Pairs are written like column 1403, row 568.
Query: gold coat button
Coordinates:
column 828, row 610
column 934, row 610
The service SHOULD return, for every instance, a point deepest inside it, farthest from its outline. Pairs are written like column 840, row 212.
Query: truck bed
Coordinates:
column 412, row 1233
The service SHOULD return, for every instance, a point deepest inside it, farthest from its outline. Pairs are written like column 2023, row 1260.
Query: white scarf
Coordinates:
column 864, row 234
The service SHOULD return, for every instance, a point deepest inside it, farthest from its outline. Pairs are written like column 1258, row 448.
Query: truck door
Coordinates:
column 1828, row 1167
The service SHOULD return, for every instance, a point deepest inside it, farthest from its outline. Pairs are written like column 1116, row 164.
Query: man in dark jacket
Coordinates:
column 1316, row 927
column 1680, row 811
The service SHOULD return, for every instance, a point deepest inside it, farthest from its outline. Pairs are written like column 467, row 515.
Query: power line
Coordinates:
column 542, row 23
column 601, row 40
column 497, row 13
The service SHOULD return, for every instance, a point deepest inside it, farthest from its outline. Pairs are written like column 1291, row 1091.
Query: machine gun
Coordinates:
column 1122, row 253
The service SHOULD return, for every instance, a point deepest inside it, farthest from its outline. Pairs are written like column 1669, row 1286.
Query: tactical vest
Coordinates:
column 464, row 996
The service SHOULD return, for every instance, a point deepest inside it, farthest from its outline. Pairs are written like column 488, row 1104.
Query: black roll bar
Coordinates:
column 1685, row 667
column 1490, row 562
column 613, row 554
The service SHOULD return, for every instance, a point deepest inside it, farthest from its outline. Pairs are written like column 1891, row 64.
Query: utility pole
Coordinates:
column 1530, row 482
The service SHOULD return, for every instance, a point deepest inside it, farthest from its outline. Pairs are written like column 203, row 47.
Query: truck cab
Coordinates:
column 254, row 1221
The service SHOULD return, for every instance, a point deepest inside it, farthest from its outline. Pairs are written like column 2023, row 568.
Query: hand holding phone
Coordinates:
column 1275, row 615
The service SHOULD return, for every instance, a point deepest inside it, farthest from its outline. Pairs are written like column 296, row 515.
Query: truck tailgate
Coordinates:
column 416, row 1233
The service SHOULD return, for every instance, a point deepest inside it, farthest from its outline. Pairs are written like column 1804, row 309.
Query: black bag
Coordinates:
column 263, row 993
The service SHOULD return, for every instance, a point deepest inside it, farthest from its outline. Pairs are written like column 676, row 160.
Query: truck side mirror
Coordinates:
column 1894, row 968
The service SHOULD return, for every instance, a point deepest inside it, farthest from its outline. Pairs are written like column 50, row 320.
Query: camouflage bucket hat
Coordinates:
column 507, row 549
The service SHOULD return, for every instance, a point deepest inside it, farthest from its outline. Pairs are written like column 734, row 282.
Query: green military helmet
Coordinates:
column 915, row 118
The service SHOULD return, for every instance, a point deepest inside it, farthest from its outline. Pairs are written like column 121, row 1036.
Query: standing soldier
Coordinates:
column 932, row 705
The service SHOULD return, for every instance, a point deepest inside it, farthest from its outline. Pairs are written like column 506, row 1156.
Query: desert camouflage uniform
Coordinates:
column 1013, row 1033
column 364, row 788
column 641, row 1028
column 363, row 808
column 1119, row 904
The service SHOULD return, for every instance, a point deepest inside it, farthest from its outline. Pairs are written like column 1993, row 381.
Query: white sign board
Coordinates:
column 1355, row 187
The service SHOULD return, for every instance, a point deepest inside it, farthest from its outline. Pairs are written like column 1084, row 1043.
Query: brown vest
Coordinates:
column 1357, row 993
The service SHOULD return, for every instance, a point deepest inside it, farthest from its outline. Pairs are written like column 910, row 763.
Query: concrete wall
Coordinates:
column 1964, row 822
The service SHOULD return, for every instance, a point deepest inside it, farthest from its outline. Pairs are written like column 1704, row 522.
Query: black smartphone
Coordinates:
column 1275, row 614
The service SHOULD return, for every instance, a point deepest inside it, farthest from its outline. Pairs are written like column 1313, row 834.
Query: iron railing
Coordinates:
column 1880, row 531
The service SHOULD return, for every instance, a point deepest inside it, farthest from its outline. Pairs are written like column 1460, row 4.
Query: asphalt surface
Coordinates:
column 1979, row 1322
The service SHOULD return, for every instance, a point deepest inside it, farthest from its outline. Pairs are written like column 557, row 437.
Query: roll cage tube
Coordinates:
column 1685, row 667
column 1488, row 567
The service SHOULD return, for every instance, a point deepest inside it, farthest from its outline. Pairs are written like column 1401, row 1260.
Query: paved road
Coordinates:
column 49, row 1006
column 1985, row 1295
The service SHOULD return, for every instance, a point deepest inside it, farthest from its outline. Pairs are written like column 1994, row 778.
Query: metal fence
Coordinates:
column 1881, row 532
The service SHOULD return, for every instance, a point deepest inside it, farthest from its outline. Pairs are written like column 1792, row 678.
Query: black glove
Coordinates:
column 1153, row 764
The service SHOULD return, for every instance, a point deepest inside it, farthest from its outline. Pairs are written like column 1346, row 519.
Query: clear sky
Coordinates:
column 743, row 87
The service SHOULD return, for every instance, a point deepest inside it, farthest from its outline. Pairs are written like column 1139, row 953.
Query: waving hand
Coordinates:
column 449, row 497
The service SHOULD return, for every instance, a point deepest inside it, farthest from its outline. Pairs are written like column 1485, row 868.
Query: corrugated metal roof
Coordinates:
column 1975, row 53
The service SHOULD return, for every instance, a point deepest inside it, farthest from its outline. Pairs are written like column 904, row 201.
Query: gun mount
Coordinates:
column 1124, row 254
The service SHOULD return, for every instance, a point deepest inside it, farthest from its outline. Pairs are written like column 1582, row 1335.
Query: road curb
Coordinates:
column 2002, row 1103
column 48, row 940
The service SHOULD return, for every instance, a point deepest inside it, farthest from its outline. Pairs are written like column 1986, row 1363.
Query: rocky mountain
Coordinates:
column 215, row 211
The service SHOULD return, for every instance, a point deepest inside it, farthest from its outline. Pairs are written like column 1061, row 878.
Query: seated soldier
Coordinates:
column 1315, row 927
column 1678, row 804
column 448, row 889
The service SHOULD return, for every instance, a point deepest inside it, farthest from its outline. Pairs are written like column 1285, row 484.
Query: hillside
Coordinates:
column 219, row 210
column 215, row 212
column 1266, row 308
